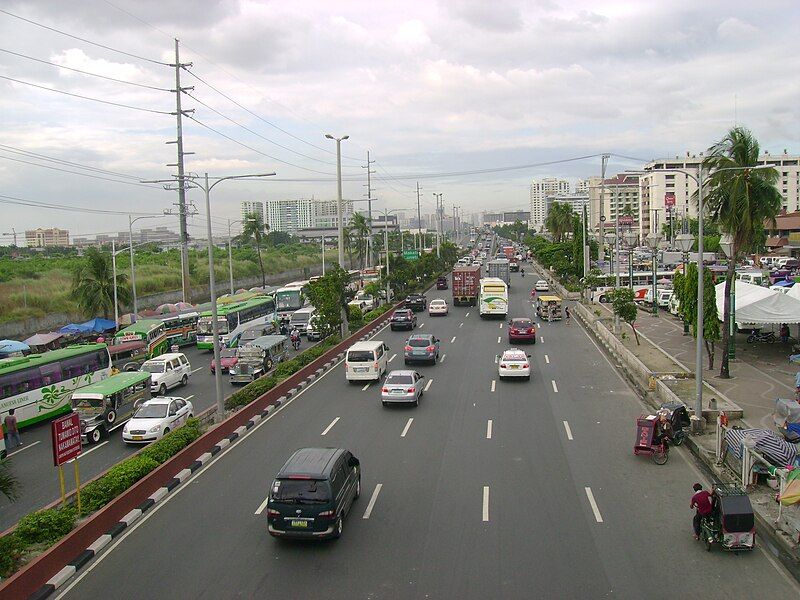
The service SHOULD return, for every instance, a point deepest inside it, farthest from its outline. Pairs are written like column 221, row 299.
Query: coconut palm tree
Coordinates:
column 559, row 220
column 740, row 201
column 254, row 231
column 93, row 284
column 359, row 231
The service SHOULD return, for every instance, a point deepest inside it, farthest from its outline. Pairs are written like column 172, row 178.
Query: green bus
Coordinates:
column 39, row 386
column 152, row 332
column 233, row 319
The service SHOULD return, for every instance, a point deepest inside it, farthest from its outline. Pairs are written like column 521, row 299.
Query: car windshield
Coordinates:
column 438, row 303
column 402, row 314
column 359, row 356
column 301, row 491
column 419, row 342
column 153, row 367
column 395, row 379
column 227, row 352
column 86, row 403
column 514, row 357
column 151, row 411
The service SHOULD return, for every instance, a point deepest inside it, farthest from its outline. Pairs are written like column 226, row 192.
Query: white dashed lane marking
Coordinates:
column 392, row 357
column 595, row 509
column 329, row 427
column 407, row 427
column 493, row 384
column 489, row 429
column 372, row 500
column 428, row 385
column 555, row 387
column 568, row 430
column 547, row 359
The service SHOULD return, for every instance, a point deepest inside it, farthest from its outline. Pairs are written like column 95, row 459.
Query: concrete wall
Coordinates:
column 19, row 330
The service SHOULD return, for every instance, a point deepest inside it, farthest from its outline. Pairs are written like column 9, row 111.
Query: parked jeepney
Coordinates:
column 258, row 358
column 108, row 402
column 548, row 308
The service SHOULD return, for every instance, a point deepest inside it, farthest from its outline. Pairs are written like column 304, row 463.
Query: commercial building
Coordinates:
column 620, row 195
column 325, row 214
column 46, row 238
column 540, row 190
column 505, row 218
column 661, row 188
column 582, row 187
column 248, row 208
column 576, row 201
column 162, row 236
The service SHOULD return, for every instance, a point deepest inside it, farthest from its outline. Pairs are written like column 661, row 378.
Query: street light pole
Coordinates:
column 230, row 250
column 133, row 268
column 339, row 193
column 323, row 254
column 114, row 271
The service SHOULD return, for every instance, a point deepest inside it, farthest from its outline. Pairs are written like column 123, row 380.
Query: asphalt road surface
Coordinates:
column 33, row 462
column 493, row 490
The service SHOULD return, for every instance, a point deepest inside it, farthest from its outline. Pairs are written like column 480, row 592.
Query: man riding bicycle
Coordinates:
column 663, row 432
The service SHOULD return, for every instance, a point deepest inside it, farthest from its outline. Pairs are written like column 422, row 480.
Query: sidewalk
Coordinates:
column 760, row 374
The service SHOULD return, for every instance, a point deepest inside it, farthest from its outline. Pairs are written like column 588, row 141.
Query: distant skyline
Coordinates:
column 428, row 87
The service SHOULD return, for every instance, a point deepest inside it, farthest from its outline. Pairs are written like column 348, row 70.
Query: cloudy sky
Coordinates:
column 431, row 89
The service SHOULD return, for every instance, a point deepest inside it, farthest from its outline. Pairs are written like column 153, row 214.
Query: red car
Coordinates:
column 227, row 356
column 521, row 330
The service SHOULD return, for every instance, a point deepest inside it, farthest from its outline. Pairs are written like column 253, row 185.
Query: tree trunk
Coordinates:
column 261, row 266
column 635, row 335
column 724, row 371
column 710, row 350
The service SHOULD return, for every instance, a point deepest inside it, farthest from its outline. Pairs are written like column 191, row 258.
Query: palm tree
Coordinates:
column 740, row 202
column 359, row 231
column 559, row 220
column 255, row 231
column 93, row 284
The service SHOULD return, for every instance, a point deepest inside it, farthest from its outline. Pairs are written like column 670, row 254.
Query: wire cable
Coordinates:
column 75, row 37
column 41, row 87
column 29, row 154
column 47, row 62
column 35, row 204
column 27, row 162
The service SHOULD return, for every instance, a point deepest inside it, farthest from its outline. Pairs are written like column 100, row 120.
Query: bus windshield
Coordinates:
column 288, row 300
column 204, row 325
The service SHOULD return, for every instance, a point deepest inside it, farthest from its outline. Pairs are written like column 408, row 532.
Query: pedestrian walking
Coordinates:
column 566, row 314
column 11, row 431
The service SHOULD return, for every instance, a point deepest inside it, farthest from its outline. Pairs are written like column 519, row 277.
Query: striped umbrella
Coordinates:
column 764, row 441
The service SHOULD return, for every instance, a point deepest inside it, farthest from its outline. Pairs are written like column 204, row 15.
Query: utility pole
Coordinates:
column 339, row 211
column 438, row 223
column 419, row 220
column 601, row 253
column 369, row 208
column 14, row 233
column 179, row 112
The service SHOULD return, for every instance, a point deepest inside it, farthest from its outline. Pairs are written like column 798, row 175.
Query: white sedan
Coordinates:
column 155, row 418
column 514, row 363
column 438, row 307
column 542, row 286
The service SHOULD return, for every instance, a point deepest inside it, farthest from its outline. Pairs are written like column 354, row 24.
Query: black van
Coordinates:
column 312, row 493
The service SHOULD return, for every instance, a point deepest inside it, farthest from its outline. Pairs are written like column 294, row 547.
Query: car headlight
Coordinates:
column 154, row 429
column 125, row 429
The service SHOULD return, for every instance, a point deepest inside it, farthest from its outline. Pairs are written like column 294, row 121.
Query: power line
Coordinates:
column 75, row 37
column 149, row 110
column 47, row 62
column 235, row 141
column 15, row 150
column 212, row 109
column 27, row 162
column 77, row 209
column 260, row 118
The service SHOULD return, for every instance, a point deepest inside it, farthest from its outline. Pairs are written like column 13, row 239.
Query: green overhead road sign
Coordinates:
column 411, row 254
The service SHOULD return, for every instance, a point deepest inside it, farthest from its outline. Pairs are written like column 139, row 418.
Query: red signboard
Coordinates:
column 669, row 199
column 66, row 435
column 626, row 220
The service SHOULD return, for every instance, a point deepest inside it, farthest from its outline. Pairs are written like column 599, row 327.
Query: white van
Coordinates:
column 366, row 361
column 167, row 371
column 753, row 277
column 301, row 317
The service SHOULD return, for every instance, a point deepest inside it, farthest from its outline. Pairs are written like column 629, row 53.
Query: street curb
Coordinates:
column 778, row 546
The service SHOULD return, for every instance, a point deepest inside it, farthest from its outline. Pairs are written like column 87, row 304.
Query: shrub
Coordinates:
column 45, row 526
column 288, row 368
column 10, row 554
column 118, row 479
column 173, row 442
column 250, row 392
column 355, row 318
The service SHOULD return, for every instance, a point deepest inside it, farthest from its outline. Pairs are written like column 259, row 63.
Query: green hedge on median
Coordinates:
column 43, row 528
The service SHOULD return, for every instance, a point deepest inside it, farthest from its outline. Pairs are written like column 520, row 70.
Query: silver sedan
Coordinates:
column 403, row 386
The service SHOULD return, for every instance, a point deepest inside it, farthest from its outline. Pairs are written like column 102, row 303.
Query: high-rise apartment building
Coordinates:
column 661, row 189
column 46, row 238
column 540, row 190
column 582, row 187
column 289, row 215
column 248, row 208
column 620, row 198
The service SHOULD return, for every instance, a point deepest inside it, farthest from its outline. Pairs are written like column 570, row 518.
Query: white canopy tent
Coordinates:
column 794, row 291
column 756, row 304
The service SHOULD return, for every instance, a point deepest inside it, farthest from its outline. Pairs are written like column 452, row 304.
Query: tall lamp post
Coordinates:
column 386, row 214
column 339, row 211
column 203, row 184
column 726, row 245
column 631, row 237
column 230, row 249
column 685, row 241
column 653, row 241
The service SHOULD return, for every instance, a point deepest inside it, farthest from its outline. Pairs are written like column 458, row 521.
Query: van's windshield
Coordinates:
column 360, row 356
column 301, row 491
column 153, row 367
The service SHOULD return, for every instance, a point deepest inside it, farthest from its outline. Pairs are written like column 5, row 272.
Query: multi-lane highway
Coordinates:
column 33, row 462
column 488, row 489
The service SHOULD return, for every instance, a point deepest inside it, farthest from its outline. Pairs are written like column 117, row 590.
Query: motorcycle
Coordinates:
column 295, row 338
column 522, row 272
column 757, row 336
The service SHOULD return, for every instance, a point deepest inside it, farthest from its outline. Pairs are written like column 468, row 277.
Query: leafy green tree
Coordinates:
column 685, row 288
column 328, row 295
column 254, row 231
column 739, row 201
column 559, row 220
column 93, row 284
column 625, row 308
column 359, row 232
column 9, row 485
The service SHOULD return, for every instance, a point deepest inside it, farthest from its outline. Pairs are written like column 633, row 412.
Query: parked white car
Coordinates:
column 167, row 371
column 155, row 418
column 514, row 363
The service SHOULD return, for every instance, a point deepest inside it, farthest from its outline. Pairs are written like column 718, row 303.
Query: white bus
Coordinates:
column 290, row 298
column 39, row 386
column 493, row 297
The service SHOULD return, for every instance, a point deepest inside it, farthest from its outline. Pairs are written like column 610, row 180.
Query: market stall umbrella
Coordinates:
column 43, row 339
column 13, row 347
column 183, row 305
column 166, row 309
column 75, row 328
column 99, row 325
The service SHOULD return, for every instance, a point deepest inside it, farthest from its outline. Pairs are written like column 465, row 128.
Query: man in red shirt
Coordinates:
column 702, row 501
